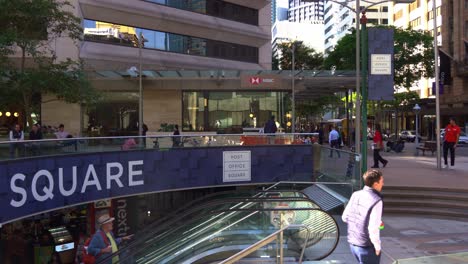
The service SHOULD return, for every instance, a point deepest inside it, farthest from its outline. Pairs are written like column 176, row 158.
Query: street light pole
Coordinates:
column 364, row 92
column 416, row 110
column 436, row 68
column 293, row 103
column 357, row 124
column 140, row 84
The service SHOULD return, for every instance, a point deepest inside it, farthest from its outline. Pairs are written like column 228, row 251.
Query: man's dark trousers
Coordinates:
column 451, row 146
column 335, row 145
column 365, row 255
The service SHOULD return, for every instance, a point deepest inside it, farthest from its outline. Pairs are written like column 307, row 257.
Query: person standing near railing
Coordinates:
column 35, row 134
column 16, row 135
column 363, row 214
column 270, row 128
column 62, row 134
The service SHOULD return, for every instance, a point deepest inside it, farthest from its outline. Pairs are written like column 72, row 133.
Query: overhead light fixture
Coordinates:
column 16, row 114
column 8, row 114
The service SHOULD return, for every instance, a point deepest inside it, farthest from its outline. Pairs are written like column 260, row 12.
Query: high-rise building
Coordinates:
column 419, row 16
column 305, row 12
column 454, row 62
column 305, row 23
column 339, row 20
column 178, row 35
column 279, row 10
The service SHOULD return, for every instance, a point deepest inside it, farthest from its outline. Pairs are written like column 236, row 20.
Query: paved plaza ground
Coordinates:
column 417, row 236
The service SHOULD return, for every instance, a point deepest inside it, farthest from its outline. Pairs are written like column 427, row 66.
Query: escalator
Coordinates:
column 219, row 226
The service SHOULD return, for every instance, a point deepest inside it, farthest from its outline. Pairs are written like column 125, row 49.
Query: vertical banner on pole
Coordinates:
column 381, row 74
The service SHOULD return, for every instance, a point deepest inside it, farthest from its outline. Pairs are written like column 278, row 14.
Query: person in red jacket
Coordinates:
column 377, row 146
column 452, row 133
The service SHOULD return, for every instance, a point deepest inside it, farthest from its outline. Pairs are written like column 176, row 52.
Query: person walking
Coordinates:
column 103, row 243
column 333, row 140
column 363, row 215
column 378, row 146
column 452, row 134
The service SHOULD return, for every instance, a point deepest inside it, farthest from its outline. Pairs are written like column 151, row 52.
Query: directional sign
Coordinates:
column 381, row 64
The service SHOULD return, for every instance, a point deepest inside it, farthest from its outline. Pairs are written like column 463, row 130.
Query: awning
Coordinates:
column 309, row 84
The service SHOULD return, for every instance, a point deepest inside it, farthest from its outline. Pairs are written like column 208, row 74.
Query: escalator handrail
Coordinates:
column 267, row 240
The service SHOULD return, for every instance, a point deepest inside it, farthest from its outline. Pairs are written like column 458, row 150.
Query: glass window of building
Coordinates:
column 230, row 112
column 110, row 33
column 216, row 8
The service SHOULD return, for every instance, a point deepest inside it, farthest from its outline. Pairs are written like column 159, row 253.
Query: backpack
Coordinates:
column 88, row 258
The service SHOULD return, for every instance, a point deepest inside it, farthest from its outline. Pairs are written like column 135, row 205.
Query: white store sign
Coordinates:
column 236, row 166
column 381, row 64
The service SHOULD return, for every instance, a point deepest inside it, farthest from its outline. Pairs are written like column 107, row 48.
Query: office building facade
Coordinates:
column 177, row 35
column 304, row 12
column 418, row 16
column 454, row 50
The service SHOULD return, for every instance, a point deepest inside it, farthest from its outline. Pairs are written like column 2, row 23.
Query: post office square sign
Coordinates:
column 236, row 166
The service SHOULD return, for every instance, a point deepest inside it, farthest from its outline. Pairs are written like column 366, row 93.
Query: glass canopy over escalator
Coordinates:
column 219, row 226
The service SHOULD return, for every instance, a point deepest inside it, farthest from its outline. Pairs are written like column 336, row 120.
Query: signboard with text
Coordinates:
column 236, row 166
column 35, row 185
column 381, row 64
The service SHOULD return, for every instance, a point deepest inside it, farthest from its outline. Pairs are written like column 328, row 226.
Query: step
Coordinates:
column 438, row 212
column 421, row 195
column 392, row 188
column 425, row 203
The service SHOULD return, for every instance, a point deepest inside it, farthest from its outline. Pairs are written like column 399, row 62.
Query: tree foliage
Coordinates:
column 318, row 107
column 305, row 58
column 413, row 58
column 29, row 68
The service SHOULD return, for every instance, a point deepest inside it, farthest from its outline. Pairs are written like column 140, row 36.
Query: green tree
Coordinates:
column 413, row 58
column 29, row 67
column 318, row 107
column 305, row 58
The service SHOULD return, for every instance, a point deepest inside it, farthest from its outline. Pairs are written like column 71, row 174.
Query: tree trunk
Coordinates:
column 26, row 98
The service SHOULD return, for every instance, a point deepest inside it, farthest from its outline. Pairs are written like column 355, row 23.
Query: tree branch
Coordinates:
column 48, row 101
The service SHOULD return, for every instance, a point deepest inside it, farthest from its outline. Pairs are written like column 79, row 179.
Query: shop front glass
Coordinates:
column 234, row 112
column 117, row 115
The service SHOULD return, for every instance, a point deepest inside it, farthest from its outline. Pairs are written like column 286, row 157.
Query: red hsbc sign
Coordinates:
column 265, row 81
column 255, row 80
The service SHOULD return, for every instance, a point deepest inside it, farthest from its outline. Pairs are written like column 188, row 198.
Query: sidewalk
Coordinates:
column 413, row 236
column 405, row 169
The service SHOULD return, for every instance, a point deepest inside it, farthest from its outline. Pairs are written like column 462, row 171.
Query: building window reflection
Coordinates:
column 98, row 31
column 231, row 112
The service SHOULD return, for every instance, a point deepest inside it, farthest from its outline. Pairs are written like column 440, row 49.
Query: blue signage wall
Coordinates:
column 35, row 185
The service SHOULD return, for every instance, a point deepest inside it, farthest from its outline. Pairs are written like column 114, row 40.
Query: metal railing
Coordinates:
column 46, row 147
column 278, row 235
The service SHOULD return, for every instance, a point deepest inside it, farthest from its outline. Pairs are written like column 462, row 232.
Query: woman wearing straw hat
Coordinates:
column 103, row 242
